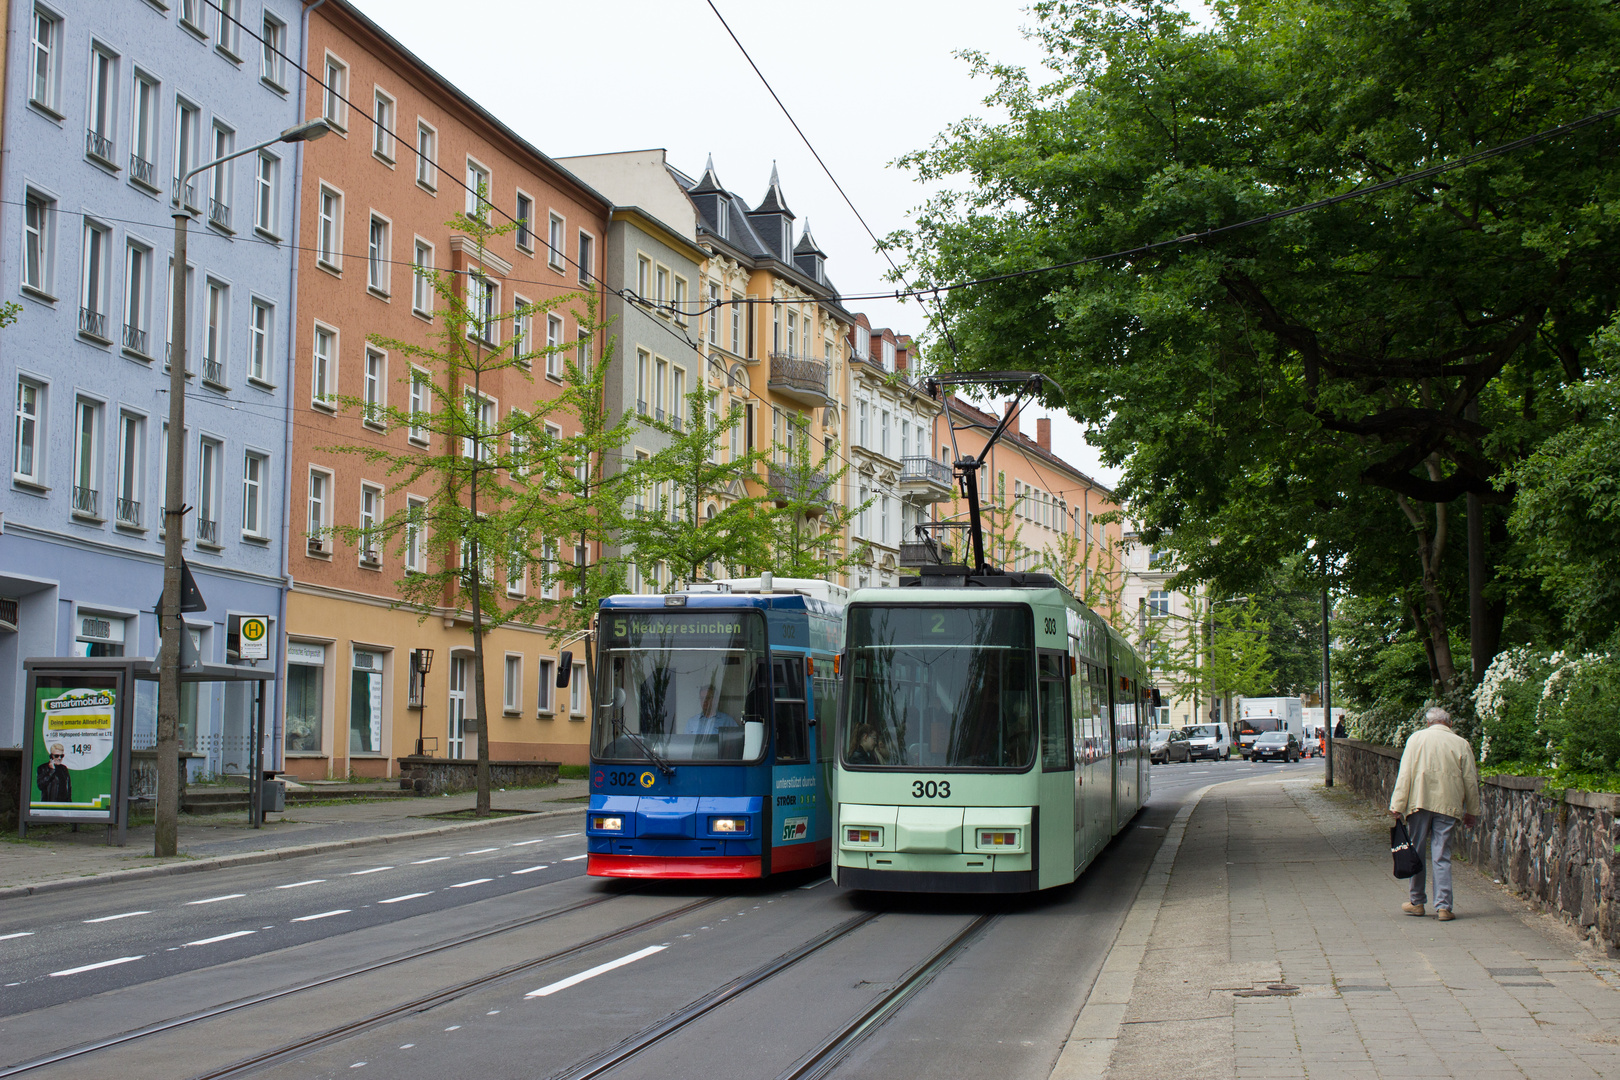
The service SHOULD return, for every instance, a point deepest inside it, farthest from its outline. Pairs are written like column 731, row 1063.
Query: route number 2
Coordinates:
column 931, row 789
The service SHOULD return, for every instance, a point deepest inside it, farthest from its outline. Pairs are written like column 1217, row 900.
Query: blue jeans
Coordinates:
column 1427, row 828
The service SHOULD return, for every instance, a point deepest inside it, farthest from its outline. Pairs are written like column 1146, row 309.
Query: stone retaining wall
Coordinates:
column 1560, row 849
column 443, row 776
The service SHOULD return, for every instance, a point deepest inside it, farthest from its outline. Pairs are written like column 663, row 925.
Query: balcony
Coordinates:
column 93, row 324
column 219, row 214
column 800, row 379
column 135, row 340
column 143, row 172
column 935, row 543
column 213, row 372
column 190, row 200
column 129, row 513
column 98, row 146
column 207, row 531
column 787, row 487
column 86, row 501
column 922, row 479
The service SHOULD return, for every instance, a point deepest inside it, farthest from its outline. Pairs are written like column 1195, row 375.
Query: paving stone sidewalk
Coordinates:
column 1287, row 884
column 52, row 854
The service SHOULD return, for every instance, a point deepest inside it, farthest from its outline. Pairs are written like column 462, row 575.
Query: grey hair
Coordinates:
column 1437, row 715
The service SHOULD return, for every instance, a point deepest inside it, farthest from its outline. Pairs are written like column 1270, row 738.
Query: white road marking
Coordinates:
column 407, row 896
column 125, row 915
column 357, row 1065
column 20, row 933
column 373, row 870
column 407, row 1046
column 474, row 881
column 600, row 969
column 8, row 985
column 481, row 851
column 526, row 843
column 566, row 835
column 453, row 1027
column 436, row 858
column 216, row 899
column 93, row 967
column 814, row 884
column 222, row 937
column 528, row 870
column 301, row 884
column 493, row 1012
column 575, row 858
column 322, row 915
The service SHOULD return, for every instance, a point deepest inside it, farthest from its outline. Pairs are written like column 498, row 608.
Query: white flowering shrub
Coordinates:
column 1578, row 712
column 1507, row 702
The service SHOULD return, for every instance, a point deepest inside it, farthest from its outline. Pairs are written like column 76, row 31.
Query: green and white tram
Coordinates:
column 992, row 735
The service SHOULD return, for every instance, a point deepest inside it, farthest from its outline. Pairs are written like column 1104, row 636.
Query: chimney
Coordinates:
column 1006, row 410
column 1043, row 434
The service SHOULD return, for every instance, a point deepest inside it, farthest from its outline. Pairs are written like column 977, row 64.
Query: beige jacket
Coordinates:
column 1437, row 774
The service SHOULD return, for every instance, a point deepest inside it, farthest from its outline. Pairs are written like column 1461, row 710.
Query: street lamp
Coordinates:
column 165, row 841
column 421, row 664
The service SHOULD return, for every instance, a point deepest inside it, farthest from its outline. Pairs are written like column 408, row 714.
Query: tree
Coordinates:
column 809, row 523
column 1345, row 374
column 681, row 485
column 9, row 313
column 477, row 529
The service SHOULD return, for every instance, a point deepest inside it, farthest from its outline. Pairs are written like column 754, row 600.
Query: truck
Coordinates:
column 1314, row 735
column 1258, row 715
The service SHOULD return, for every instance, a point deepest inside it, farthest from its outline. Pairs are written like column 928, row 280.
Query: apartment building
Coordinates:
column 410, row 152
column 106, row 104
column 1164, row 623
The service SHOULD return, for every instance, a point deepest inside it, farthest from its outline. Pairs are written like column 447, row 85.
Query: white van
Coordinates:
column 1259, row 715
column 1213, row 741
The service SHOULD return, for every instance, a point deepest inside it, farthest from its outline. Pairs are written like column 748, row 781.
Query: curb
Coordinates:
column 1089, row 1049
column 249, row 858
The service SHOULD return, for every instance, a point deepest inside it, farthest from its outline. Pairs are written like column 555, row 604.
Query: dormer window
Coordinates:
column 722, row 215
column 863, row 343
column 787, row 238
column 888, row 355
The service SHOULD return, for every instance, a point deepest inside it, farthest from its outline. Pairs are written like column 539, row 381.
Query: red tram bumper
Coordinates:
column 658, row 866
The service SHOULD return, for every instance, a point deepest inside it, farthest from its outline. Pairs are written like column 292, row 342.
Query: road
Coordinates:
column 449, row 957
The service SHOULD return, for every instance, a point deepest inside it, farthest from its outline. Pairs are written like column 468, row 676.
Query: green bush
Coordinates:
column 1580, row 713
column 1507, row 703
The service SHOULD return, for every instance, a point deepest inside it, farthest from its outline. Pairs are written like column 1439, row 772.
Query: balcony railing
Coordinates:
column 219, row 213
column 129, row 512
column 142, row 171
column 98, row 145
column 935, row 543
column 207, row 531
column 675, row 421
column 213, row 371
column 641, row 407
column 658, row 414
column 190, row 194
column 86, row 500
column 791, row 487
column 135, row 339
column 926, row 470
column 799, row 376
column 93, row 323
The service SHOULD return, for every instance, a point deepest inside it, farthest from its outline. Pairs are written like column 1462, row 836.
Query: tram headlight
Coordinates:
column 728, row 824
column 613, row 823
column 863, row 836
column 994, row 838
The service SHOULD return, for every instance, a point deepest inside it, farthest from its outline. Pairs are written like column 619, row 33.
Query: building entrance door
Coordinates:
column 456, row 737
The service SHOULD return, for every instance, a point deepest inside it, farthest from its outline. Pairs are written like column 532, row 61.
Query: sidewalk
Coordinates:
column 1288, row 885
column 53, row 856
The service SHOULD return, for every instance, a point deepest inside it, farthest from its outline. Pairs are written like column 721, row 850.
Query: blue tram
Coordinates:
column 712, row 736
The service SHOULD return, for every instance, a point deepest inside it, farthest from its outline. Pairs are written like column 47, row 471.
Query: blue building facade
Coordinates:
column 106, row 102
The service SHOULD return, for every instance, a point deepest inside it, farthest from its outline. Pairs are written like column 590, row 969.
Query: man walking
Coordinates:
column 1437, row 784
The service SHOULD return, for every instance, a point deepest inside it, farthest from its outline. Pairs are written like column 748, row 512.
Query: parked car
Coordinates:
column 1168, row 744
column 1275, row 745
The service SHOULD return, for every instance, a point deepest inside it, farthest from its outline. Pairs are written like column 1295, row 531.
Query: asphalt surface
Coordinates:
column 89, row 964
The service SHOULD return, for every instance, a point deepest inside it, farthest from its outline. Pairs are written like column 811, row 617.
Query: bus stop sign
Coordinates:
column 254, row 637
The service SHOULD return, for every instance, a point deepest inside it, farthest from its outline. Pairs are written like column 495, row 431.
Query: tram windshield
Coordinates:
column 686, row 686
column 934, row 687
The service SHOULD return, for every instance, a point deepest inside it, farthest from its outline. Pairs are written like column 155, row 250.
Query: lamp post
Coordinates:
column 421, row 664
column 166, row 838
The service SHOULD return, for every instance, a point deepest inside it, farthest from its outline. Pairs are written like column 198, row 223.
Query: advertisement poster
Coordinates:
column 72, row 774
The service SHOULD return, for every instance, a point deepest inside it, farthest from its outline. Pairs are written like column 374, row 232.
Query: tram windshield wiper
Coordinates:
column 619, row 725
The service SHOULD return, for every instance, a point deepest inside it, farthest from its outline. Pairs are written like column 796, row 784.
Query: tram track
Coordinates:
column 333, row 1034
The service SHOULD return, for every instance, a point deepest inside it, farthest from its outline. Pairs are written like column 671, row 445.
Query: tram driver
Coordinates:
column 708, row 720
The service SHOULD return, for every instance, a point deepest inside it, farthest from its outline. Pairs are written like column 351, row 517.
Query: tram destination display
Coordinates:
column 685, row 630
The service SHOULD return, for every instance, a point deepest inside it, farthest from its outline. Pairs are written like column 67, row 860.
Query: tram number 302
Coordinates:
column 931, row 789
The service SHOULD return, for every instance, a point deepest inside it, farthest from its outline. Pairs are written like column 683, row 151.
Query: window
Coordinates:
column 44, row 81
column 883, row 432
column 793, row 333
column 586, row 245
column 714, row 315
column 522, row 333
column 137, row 297
column 481, row 418
column 305, row 697
column 376, row 388
column 548, row 681
column 323, row 368
column 143, row 131
column 516, row 558
column 863, row 343
column 554, row 340
column 131, row 469
column 905, row 439
column 86, row 458
column 660, row 387
column 557, row 247
column 525, row 222
column 209, row 452
column 427, row 156
column 333, row 106
column 888, row 355
column 103, row 106
column 680, row 301
column 219, row 198
column 736, row 322
column 477, row 189
column 422, row 279
column 582, row 355
column 512, row 686
column 415, row 546
column 370, row 518
column 576, row 691
column 548, row 569
column 168, row 315
column 883, row 519
column 643, row 276
column 1158, row 603
column 382, row 127
column 776, row 328
column 255, row 472
column 643, row 362
column 677, row 400
column 273, row 60
column 329, row 230
column 230, row 24
column 377, row 275
column 483, row 302
column 421, row 404
column 661, row 280
column 266, row 182
column 187, row 134
column 521, row 457
column 217, row 336
column 259, row 322
column 95, row 281
column 366, row 703
column 28, row 463
column 862, row 438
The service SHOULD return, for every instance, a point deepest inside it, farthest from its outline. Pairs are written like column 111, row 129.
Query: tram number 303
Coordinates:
column 930, row 789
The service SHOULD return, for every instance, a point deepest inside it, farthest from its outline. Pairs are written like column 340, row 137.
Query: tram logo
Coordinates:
column 647, row 779
column 795, row 828
column 600, row 778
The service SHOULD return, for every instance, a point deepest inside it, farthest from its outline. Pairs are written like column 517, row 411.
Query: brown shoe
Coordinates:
column 1444, row 915
column 1412, row 909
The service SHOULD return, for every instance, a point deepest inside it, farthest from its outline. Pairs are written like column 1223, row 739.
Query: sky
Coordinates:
column 867, row 81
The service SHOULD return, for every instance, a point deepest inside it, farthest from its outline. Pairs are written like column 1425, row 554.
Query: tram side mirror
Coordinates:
column 618, row 698
column 565, row 668
column 1158, row 698
column 753, row 739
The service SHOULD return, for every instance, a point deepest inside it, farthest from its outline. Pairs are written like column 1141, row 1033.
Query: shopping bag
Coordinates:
column 1407, row 860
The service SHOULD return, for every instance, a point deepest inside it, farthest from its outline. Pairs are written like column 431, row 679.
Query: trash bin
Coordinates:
column 274, row 797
